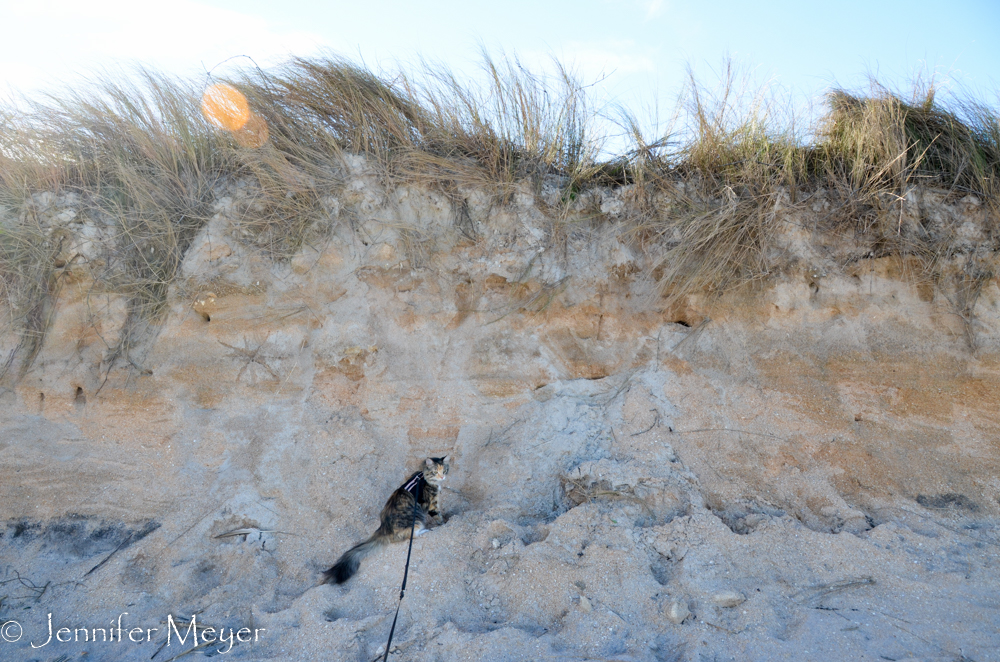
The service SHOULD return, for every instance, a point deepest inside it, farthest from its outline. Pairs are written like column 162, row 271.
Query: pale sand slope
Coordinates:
column 821, row 454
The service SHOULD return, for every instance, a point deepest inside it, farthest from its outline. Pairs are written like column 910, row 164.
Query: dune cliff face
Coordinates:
column 807, row 463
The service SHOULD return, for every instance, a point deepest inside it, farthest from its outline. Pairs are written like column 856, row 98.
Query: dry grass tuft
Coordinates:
column 523, row 125
column 27, row 279
column 722, row 186
column 143, row 163
column 879, row 143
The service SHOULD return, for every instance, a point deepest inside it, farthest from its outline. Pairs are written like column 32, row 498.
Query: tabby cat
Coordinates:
column 397, row 518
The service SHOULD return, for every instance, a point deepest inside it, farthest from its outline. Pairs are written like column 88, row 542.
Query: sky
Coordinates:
column 633, row 52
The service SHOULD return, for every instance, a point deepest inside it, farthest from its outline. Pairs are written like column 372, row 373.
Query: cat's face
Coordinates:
column 435, row 469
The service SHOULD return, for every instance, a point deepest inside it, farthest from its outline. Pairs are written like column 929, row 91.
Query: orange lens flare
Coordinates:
column 225, row 107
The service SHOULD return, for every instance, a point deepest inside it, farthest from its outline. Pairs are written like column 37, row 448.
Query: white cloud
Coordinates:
column 649, row 8
column 191, row 28
column 58, row 37
column 18, row 76
column 594, row 61
column 653, row 8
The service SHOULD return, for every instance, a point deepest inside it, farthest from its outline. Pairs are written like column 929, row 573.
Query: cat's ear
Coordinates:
column 445, row 459
column 429, row 462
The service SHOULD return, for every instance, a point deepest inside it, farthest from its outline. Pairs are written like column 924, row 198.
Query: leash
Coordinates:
column 414, row 487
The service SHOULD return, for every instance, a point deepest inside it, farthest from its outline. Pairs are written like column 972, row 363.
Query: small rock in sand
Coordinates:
column 729, row 599
column 677, row 612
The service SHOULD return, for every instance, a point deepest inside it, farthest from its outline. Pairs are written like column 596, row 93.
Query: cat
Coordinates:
column 397, row 519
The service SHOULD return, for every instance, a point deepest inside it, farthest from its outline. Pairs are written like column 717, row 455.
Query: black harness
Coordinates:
column 415, row 486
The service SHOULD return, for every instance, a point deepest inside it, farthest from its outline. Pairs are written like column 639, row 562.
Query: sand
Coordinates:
column 805, row 469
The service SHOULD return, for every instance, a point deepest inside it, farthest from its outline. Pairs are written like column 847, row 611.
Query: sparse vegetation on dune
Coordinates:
column 144, row 161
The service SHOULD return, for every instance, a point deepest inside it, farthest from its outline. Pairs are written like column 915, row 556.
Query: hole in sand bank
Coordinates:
column 537, row 533
column 947, row 501
column 80, row 398
column 661, row 570
column 742, row 518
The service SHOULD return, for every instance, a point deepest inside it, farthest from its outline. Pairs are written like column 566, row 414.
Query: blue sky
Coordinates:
column 636, row 50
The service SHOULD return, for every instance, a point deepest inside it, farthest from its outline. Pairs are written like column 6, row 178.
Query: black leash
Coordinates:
column 414, row 487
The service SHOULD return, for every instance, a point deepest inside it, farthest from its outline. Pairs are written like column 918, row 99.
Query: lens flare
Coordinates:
column 225, row 107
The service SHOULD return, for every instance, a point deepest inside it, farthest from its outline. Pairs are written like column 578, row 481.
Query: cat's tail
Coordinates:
column 348, row 564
